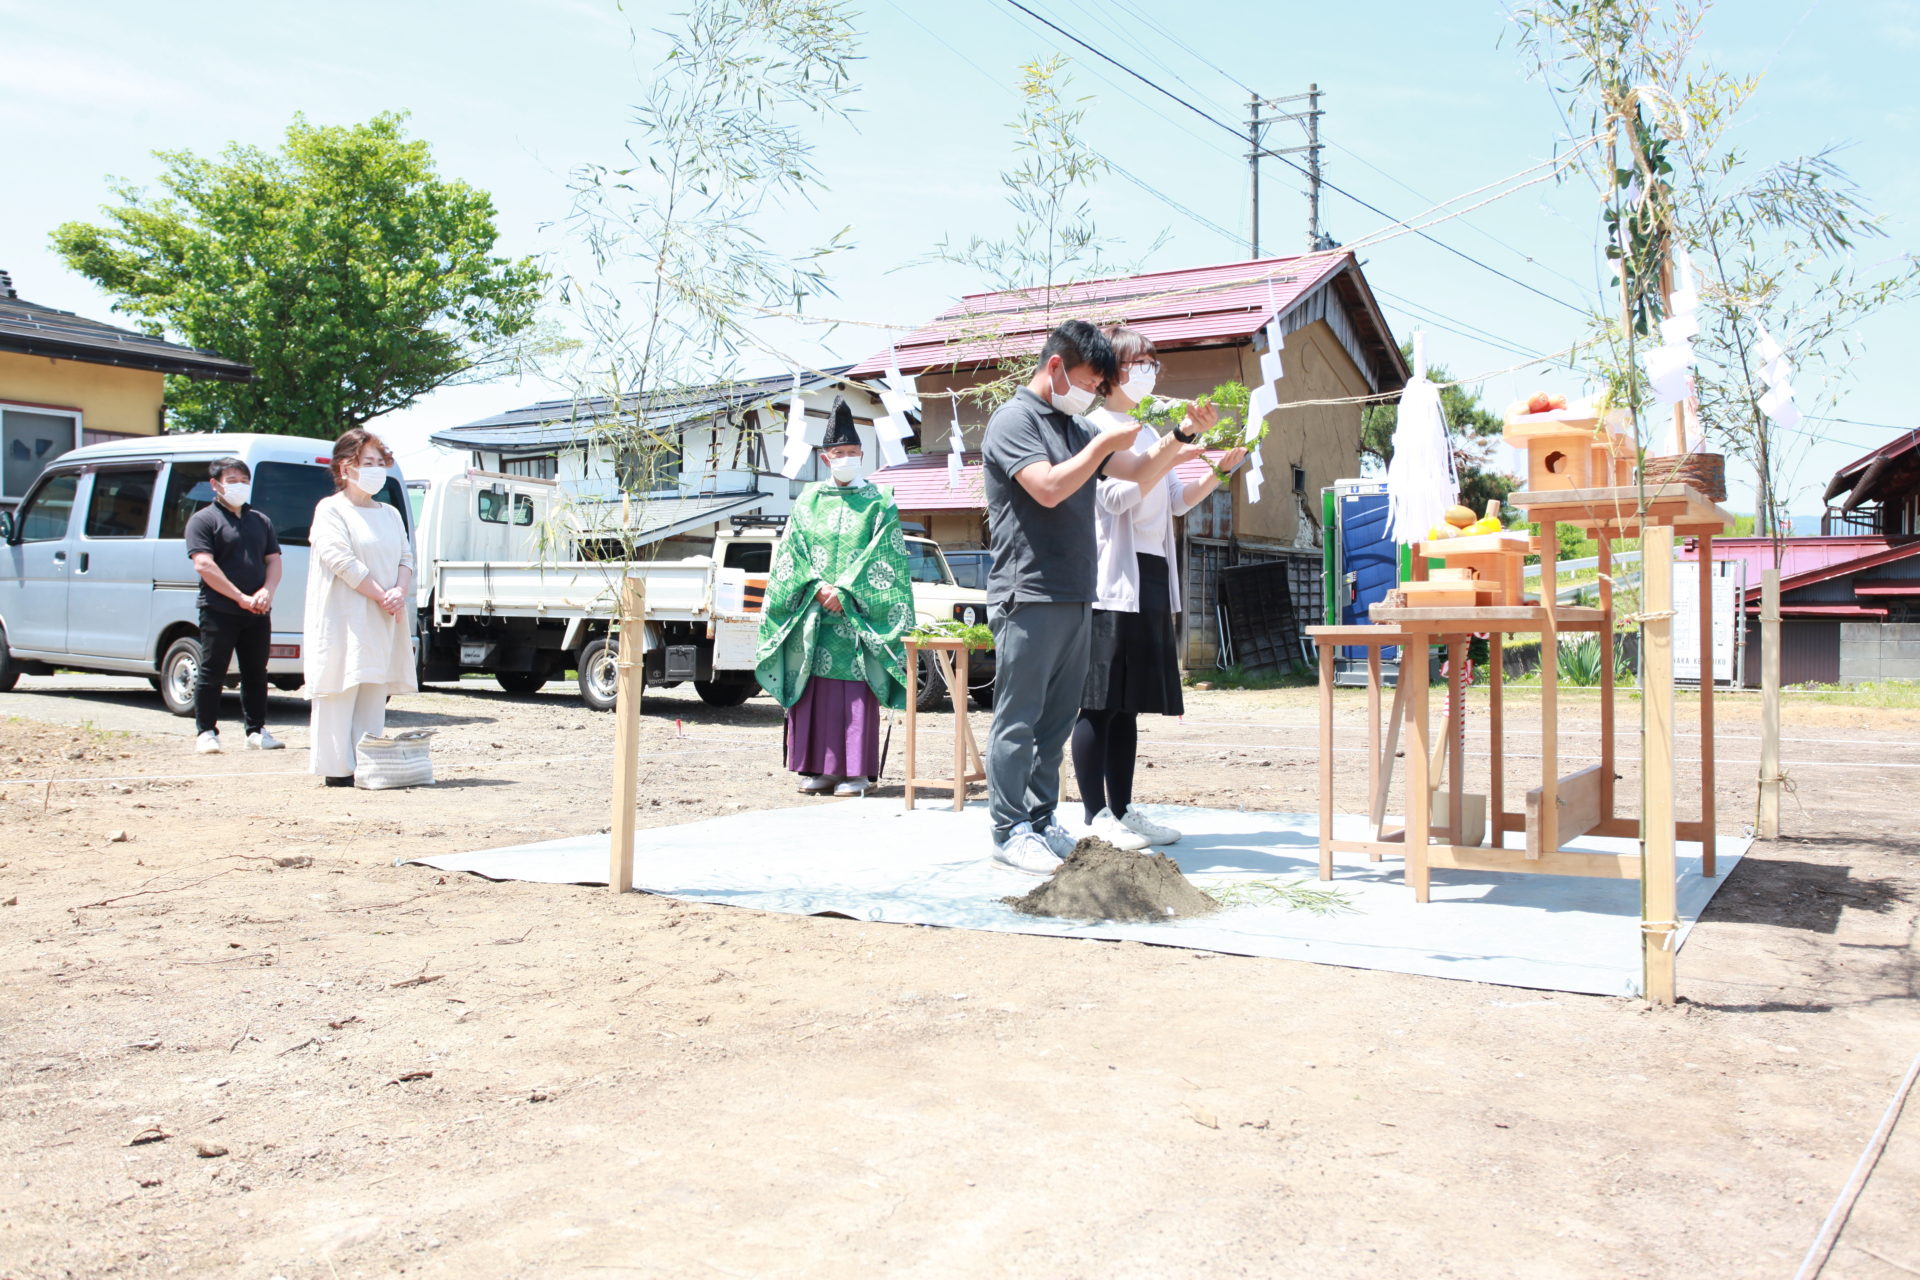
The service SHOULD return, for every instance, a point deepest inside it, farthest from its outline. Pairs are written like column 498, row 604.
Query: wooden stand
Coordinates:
column 951, row 657
column 626, row 731
column 1562, row 808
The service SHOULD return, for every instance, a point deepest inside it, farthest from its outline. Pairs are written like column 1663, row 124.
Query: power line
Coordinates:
column 1137, row 181
column 1478, row 334
column 1373, row 208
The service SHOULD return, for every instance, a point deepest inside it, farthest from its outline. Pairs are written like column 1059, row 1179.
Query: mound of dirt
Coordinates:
column 1100, row 882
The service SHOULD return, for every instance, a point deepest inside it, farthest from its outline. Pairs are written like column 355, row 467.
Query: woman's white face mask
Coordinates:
column 370, row 480
column 1140, row 381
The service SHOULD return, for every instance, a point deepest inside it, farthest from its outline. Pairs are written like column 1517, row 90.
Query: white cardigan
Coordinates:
column 349, row 639
column 1120, row 539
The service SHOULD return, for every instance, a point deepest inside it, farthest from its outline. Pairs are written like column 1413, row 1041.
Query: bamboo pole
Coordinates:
column 1659, row 923
column 1708, row 850
column 1769, row 823
column 626, row 730
column 1607, row 725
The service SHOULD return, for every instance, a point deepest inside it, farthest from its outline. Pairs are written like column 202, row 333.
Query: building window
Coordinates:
column 1299, row 479
column 543, row 468
column 29, row 440
column 647, row 471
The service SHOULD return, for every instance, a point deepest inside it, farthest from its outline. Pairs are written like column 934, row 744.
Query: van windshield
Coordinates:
column 926, row 564
column 288, row 492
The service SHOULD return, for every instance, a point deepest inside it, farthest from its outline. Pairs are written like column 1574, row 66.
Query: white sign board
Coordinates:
column 1729, row 583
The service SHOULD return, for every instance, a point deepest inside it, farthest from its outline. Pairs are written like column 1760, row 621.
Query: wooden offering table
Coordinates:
column 950, row 656
column 1562, row 808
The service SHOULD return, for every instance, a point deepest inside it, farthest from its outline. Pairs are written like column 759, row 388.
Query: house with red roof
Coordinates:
column 1850, row 598
column 1209, row 326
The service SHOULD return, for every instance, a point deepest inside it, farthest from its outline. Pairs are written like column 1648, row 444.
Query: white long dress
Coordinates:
column 349, row 639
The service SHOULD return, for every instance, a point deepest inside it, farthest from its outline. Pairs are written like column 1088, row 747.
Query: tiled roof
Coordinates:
column 920, row 483
column 31, row 329
column 1199, row 306
column 552, row 423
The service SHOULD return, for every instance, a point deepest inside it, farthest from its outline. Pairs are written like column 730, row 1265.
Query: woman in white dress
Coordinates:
column 359, row 624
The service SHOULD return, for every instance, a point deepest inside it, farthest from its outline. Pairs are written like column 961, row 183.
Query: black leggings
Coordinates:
column 1104, row 746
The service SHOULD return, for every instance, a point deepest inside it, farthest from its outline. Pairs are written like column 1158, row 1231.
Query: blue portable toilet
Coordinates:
column 1361, row 565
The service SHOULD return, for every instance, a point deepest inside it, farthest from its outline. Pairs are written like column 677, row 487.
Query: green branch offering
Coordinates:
column 1232, row 431
column 974, row 634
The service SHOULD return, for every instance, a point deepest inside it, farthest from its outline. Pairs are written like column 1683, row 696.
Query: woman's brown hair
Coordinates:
column 1130, row 345
column 347, row 449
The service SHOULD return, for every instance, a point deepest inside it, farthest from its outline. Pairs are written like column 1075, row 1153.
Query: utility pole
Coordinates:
column 1317, row 237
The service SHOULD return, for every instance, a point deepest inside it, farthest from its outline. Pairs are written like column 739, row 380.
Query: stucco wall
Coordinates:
column 108, row 397
column 1324, row 440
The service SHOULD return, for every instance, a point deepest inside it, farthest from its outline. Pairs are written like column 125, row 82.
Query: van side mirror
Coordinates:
column 6, row 527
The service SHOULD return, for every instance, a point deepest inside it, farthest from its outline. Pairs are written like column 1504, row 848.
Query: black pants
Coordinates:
column 222, row 637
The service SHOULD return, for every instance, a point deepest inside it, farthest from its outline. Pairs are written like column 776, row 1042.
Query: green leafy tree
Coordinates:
column 342, row 267
column 1475, row 430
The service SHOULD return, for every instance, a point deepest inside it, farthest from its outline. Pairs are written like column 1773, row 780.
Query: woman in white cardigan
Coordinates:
column 359, row 623
column 1133, row 666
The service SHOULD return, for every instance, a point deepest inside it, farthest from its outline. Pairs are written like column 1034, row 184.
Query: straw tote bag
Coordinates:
column 397, row 760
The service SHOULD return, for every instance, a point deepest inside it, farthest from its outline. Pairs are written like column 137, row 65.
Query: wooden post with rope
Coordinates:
column 1659, row 907
column 1769, row 823
column 626, row 731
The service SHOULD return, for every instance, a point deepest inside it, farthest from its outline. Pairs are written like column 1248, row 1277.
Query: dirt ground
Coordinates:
column 404, row 1072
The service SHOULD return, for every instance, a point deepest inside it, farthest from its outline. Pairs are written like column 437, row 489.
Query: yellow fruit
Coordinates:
column 1460, row 517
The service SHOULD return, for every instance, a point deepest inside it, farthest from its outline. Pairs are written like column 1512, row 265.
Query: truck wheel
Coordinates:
column 725, row 693
column 521, row 681
column 933, row 686
column 180, row 675
column 9, row 674
column 599, row 668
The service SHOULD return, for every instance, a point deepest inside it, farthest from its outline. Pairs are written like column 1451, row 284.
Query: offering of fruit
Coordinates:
column 1541, row 402
column 1441, row 531
column 1459, row 517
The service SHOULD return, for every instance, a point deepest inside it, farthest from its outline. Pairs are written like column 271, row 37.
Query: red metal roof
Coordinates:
column 920, row 483
column 1854, row 472
column 1824, row 611
column 1192, row 307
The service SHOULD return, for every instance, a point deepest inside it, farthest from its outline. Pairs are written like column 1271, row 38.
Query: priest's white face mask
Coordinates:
column 843, row 463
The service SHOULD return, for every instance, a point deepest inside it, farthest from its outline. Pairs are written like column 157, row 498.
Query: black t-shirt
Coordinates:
column 239, row 544
column 1039, row 552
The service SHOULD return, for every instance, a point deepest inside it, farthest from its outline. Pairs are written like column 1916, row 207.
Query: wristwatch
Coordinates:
column 1183, row 437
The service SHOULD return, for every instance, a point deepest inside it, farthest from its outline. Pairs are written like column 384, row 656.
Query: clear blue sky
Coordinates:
column 514, row 93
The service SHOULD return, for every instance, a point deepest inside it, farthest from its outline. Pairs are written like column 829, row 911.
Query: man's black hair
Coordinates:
column 1076, row 343
column 217, row 469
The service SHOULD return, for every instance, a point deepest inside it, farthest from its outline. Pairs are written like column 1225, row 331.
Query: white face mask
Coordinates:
column 237, row 493
column 843, row 469
column 370, row 480
column 1074, row 400
column 1140, row 381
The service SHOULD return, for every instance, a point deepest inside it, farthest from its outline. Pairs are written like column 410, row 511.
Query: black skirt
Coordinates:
column 1133, row 665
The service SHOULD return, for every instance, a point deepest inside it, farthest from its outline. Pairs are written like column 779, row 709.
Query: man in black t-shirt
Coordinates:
column 237, row 555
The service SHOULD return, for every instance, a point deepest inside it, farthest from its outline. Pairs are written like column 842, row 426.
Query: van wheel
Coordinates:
column 180, row 675
column 599, row 668
column 725, row 693
column 9, row 674
column 521, row 681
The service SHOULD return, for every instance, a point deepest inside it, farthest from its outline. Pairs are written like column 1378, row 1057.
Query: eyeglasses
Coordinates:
column 1145, row 363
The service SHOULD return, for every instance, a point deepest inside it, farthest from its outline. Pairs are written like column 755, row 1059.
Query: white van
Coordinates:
column 94, row 573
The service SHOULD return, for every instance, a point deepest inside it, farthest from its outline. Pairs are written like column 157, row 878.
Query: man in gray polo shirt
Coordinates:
column 1040, row 459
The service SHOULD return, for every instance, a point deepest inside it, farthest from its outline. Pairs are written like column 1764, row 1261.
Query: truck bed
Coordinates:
column 676, row 590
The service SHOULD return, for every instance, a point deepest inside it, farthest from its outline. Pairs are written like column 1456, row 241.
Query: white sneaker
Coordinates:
column 1115, row 832
column 208, row 743
column 851, row 787
column 1025, row 851
column 1151, row 830
column 818, row 785
column 1059, row 839
column 264, row 741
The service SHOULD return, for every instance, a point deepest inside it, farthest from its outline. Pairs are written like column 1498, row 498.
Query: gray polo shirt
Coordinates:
column 1039, row 553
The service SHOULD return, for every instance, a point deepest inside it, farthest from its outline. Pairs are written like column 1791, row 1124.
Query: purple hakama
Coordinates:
column 834, row 729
